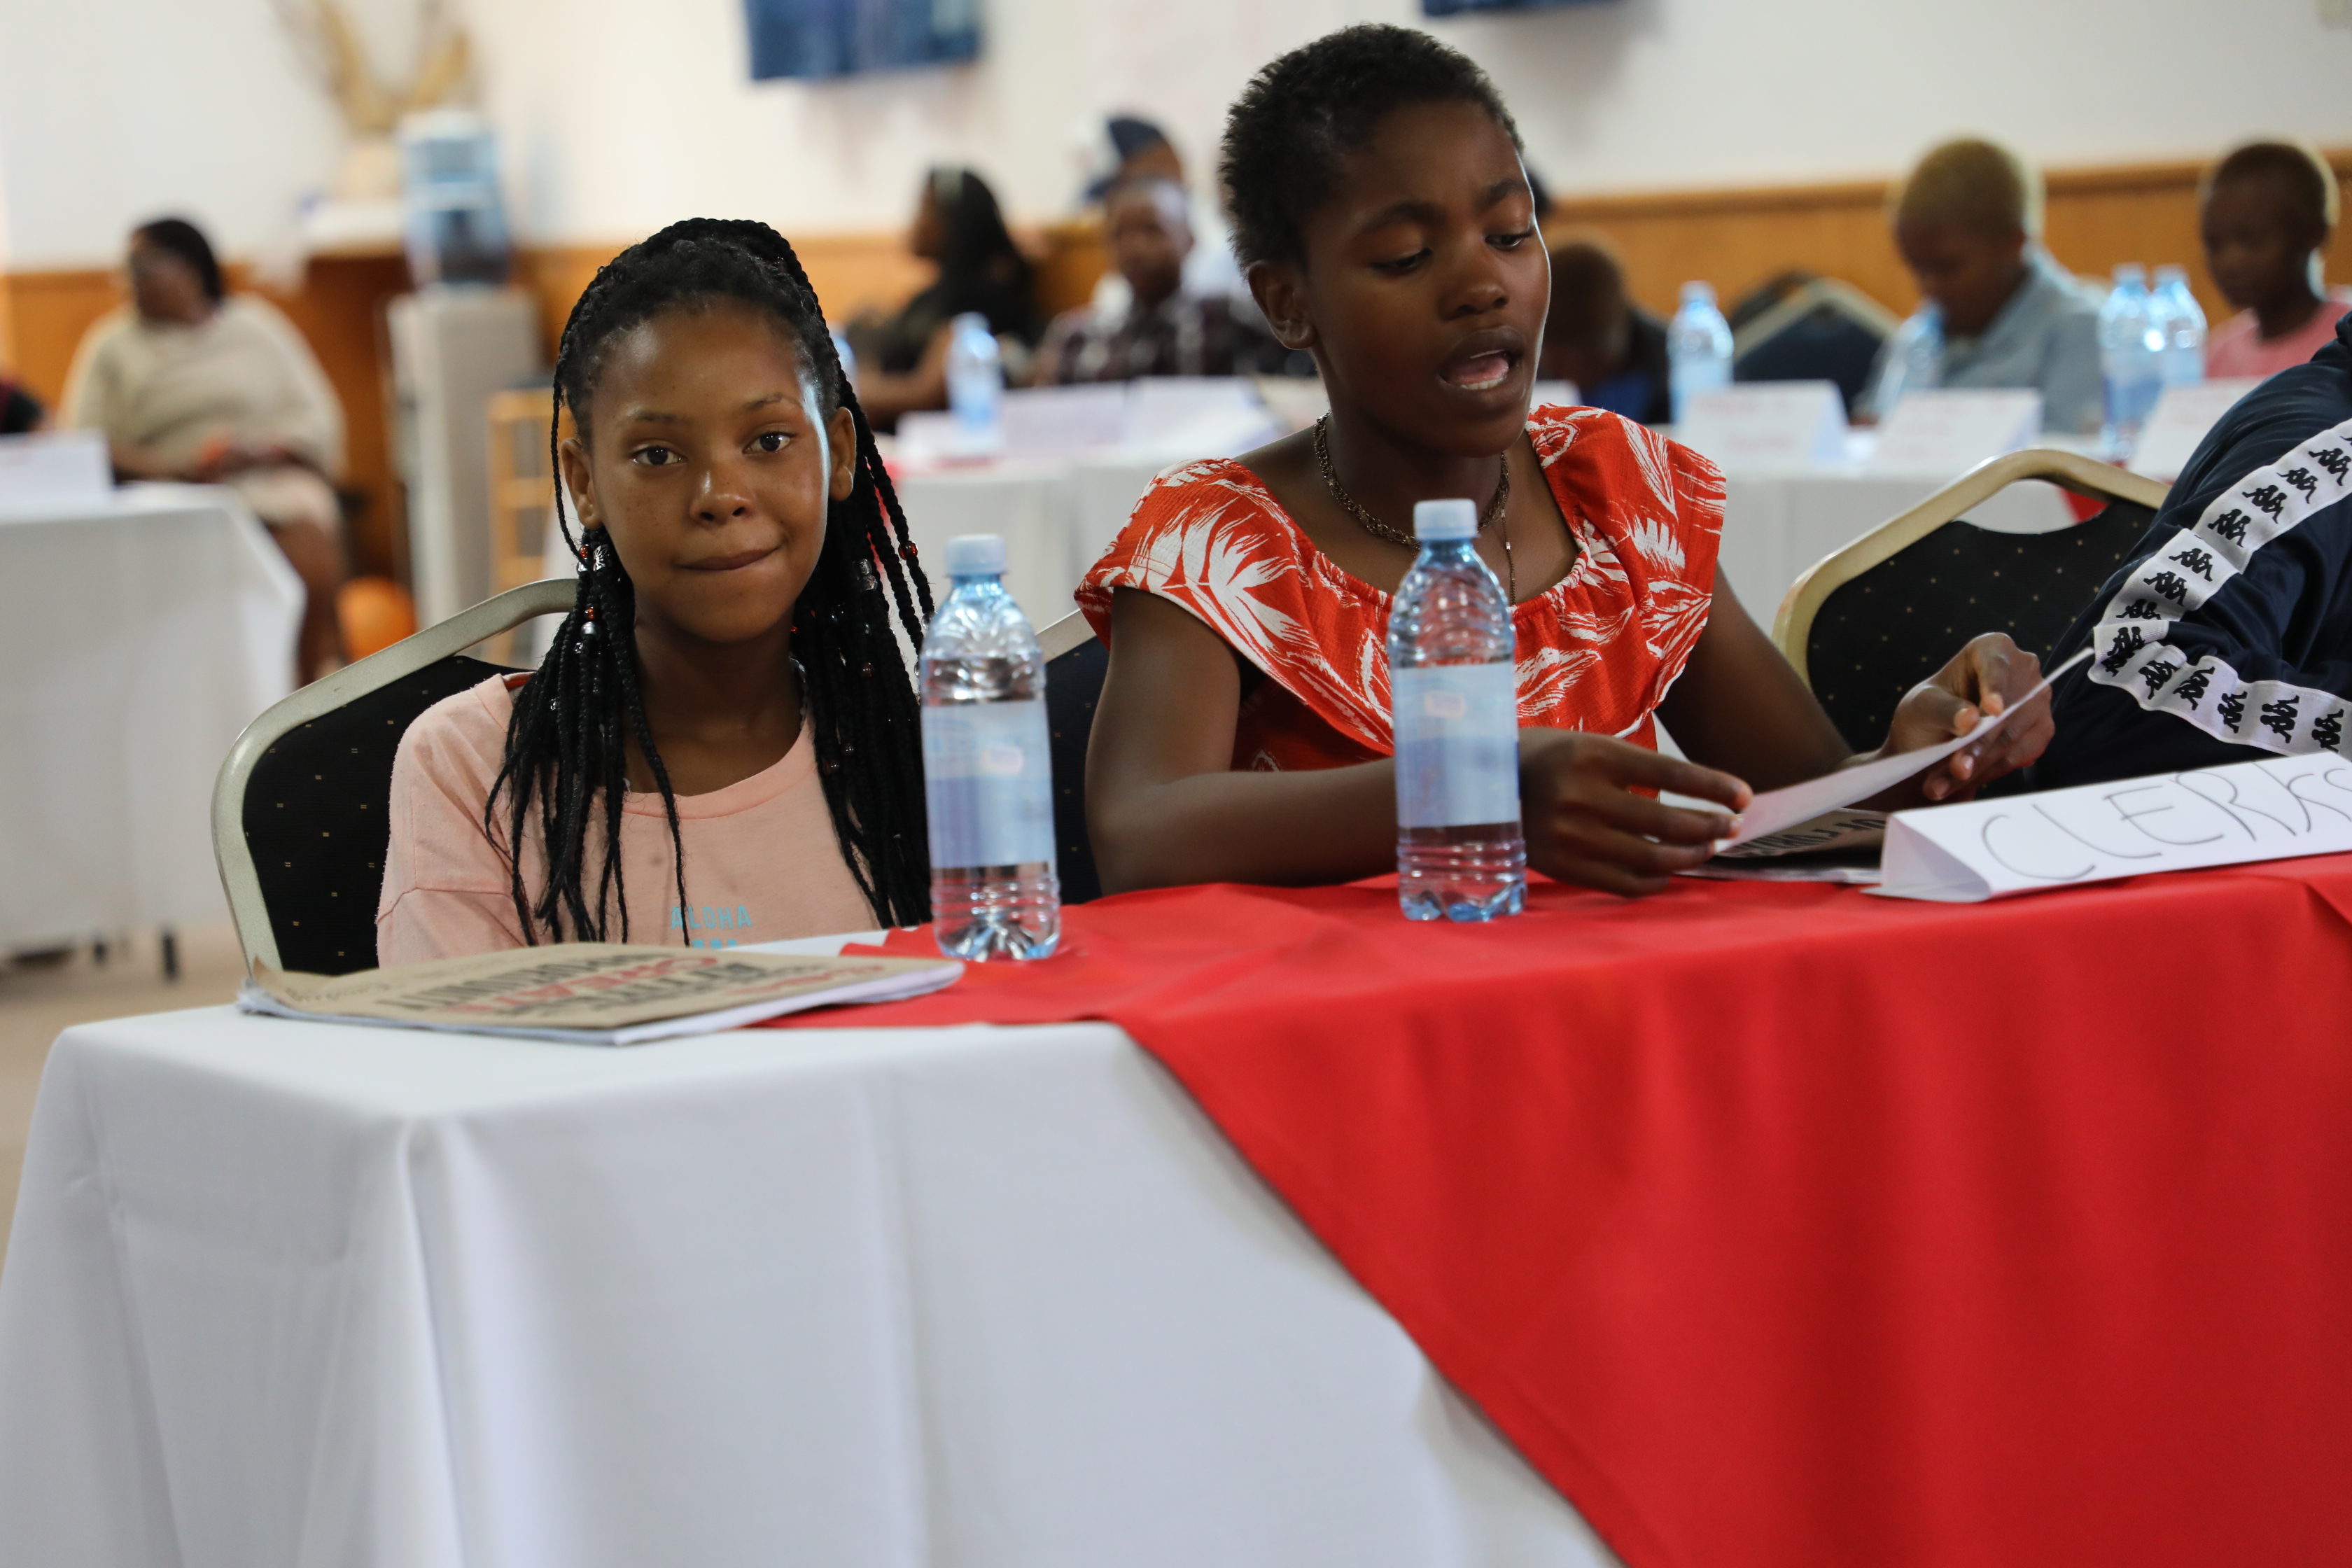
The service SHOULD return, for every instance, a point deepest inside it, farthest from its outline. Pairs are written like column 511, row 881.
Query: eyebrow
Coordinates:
column 663, row 417
column 1411, row 211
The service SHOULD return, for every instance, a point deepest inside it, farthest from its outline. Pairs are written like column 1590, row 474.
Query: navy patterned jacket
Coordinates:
column 2228, row 634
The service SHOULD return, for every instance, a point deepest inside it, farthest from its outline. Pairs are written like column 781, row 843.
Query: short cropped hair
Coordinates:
column 1973, row 184
column 178, row 236
column 2302, row 174
column 1300, row 116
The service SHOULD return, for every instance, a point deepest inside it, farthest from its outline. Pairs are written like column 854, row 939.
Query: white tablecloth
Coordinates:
column 137, row 638
column 282, row 1293
column 1059, row 515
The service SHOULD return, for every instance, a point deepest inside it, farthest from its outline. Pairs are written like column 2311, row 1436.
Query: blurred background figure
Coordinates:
column 903, row 358
column 1165, row 328
column 20, row 411
column 1596, row 336
column 1126, row 148
column 2267, row 210
column 190, row 383
column 1968, row 223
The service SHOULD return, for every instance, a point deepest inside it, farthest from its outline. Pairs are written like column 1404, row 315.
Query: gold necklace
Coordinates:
column 1378, row 529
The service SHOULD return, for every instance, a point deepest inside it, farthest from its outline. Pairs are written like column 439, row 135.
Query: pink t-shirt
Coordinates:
column 2238, row 348
column 762, row 862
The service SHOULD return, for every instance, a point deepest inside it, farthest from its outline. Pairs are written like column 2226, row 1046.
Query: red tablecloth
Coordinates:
column 1777, row 1225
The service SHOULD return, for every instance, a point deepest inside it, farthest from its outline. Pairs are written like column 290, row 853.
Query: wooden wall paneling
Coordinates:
column 337, row 309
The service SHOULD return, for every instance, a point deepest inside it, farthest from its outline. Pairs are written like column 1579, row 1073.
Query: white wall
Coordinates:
column 620, row 115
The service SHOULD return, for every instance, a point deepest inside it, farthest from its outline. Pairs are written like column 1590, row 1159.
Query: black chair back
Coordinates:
column 1073, row 686
column 1822, row 344
column 1884, row 630
column 317, row 820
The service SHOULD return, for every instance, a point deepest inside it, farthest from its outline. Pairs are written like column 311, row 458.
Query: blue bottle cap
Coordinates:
column 1445, row 519
column 974, row 555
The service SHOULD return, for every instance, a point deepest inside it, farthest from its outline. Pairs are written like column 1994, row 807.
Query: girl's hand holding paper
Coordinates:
column 1989, row 675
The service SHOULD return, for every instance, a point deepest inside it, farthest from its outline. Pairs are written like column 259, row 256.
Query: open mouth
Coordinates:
column 1483, row 363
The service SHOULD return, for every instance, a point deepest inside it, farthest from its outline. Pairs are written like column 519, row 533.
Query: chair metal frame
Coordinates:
column 1793, row 625
column 1803, row 300
column 1070, row 632
column 461, row 631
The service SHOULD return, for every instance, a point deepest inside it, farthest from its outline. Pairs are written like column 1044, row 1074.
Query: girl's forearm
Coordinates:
column 1333, row 824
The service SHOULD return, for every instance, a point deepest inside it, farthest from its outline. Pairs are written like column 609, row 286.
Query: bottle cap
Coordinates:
column 2171, row 273
column 1445, row 519
column 974, row 555
column 2131, row 272
column 1696, row 289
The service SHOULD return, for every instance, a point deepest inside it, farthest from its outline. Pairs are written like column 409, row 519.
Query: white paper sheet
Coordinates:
column 1776, row 811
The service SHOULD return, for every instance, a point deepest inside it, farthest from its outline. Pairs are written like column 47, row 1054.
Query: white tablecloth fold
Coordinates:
column 302, row 1294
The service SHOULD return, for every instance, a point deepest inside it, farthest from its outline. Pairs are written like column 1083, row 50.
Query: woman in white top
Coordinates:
column 190, row 383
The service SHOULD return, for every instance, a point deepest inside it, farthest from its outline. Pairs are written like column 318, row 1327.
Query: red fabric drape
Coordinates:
column 1777, row 1225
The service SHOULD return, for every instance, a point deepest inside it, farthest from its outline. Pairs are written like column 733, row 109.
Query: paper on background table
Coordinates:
column 1776, row 811
column 605, row 994
column 2267, row 809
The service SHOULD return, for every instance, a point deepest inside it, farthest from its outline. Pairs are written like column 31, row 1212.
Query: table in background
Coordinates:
column 284, row 1292
column 137, row 639
column 1058, row 516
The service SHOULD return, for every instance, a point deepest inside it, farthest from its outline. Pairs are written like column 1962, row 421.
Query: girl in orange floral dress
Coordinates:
column 1387, row 227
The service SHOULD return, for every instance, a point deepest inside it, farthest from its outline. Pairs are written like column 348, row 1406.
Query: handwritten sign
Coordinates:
column 1768, row 426
column 1946, row 432
column 2181, row 419
column 2267, row 809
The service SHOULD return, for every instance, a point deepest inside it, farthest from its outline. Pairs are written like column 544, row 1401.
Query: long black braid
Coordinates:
column 566, row 749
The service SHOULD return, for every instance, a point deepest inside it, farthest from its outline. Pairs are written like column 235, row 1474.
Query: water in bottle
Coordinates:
column 1698, row 344
column 2130, row 352
column 1454, row 699
column 1915, row 362
column 975, row 383
column 987, row 773
column 2182, row 321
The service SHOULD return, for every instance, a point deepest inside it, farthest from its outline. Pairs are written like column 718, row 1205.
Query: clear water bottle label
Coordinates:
column 1457, row 744
column 988, row 782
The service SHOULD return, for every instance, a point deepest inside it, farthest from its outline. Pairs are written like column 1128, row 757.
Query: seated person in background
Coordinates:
column 1969, row 224
column 1614, row 351
column 2268, row 210
column 723, row 737
column 189, row 383
column 902, row 360
column 2228, row 634
column 1129, row 149
column 1244, row 730
column 1164, row 329
column 20, row 412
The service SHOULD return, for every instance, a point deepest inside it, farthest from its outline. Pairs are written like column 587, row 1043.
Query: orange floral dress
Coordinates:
column 1597, row 651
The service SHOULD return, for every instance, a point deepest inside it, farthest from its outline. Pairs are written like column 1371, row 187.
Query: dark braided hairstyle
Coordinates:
column 566, row 746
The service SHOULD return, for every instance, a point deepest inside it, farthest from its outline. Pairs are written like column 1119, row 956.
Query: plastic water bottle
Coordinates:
column 1698, row 343
column 976, row 382
column 2131, row 353
column 1915, row 361
column 2181, row 319
column 987, row 772
column 848, row 355
column 1454, row 702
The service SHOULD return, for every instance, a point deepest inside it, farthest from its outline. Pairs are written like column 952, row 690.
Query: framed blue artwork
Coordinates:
column 1461, row 7
column 817, row 38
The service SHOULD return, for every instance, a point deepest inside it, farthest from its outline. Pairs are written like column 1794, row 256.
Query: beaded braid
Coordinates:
column 566, row 743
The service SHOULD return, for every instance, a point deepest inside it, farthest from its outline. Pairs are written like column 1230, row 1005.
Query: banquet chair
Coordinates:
column 1872, row 620
column 1074, row 664
column 300, row 810
column 1816, row 330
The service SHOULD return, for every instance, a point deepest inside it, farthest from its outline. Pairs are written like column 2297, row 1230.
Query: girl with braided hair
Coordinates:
column 723, row 744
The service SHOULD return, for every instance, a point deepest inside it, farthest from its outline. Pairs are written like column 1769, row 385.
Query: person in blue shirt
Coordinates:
column 2228, row 634
column 1969, row 222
